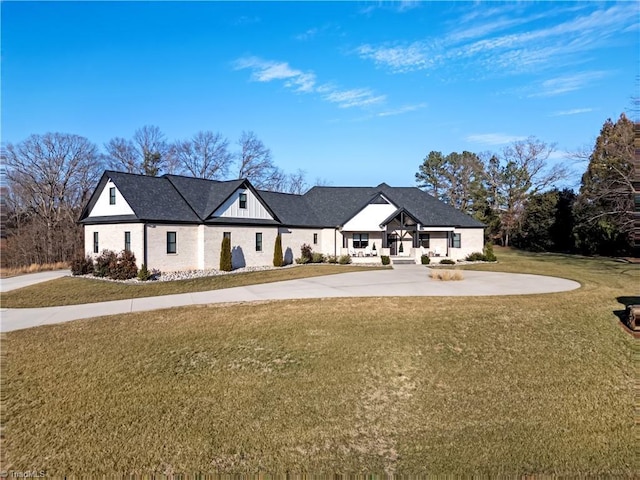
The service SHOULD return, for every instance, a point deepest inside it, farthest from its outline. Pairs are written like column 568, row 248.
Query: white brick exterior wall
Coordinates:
column 471, row 240
column 243, row 245
column 198, row 246
column 186, row 256
column 111, row 237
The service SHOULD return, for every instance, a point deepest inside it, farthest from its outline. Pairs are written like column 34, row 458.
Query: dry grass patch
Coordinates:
column 525, row 385
column 33, row 268
column 446, row 275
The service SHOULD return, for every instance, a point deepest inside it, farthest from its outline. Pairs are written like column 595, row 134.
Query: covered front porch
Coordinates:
column 399, row 236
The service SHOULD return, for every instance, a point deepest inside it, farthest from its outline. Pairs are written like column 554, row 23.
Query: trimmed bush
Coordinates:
column 489, row 256
column 425, row 260
column 225, row 255
column 317, row 257
column 302, row 260
column 278, row 259
column 385, row 259
column 305, row 252
column 123, row 267
column 447, row 261
column 476, row 257
column 344, row 260
column 103, row 263
column 81, row 265
column 332, row 259
column 143, row 273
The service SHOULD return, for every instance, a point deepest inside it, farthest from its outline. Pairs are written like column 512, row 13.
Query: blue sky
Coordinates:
column 356, row 93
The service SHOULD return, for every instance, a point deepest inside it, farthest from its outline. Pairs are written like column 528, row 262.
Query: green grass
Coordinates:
column 80, row 290
column 531, row 384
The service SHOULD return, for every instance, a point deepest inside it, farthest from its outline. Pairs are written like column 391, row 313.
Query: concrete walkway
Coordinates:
column 13, row 283
column 401, row 281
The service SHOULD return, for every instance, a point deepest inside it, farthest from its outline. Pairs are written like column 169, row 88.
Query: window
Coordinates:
column 258, row 241
column 243, row 200
column 423, row 240
column 96, row 247
column 315, row 238
column 227, row 235
column 360, row 240
column 127, row 241
column 112, row 196
column 171, row 242
column 456, row 240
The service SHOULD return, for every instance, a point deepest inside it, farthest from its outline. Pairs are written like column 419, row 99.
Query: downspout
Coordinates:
column 144, row 245
column 335, row 242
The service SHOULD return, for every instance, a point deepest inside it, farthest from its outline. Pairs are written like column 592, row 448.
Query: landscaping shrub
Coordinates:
column 103, row 263
column 476, row 257
column 447, row 261
column 385, row 259
column 225, row 255
column 123, row 267
column 317, row 257
column 489, row 256
column 344, row 260
column 332, row 259
column 81, row 265
column 425, row 260
column 143, row 273
column 305, row 252
column 302, row 260
column 278, row 259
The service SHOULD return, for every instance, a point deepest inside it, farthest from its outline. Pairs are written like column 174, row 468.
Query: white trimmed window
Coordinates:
column 172, row 242
column 360, row 240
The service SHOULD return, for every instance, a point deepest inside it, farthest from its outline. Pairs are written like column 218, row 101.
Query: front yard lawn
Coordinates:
column 521, row 385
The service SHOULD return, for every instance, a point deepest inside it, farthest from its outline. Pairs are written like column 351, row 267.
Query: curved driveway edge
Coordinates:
column 401, row 281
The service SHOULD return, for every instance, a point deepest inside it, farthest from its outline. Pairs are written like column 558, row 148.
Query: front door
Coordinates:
column 391, row 242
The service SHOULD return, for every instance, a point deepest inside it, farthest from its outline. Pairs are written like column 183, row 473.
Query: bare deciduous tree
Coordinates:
column 49, row 177
column 148, row 153
column 205, row 155
column 255, row 163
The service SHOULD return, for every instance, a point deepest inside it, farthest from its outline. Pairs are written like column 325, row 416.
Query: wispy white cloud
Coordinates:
column 359, row 97
column 398, row 58
column 573, row 111
column 266, row 71
column 566, row 83
column 486, row 40
column 493, row 138
column 308, row 35
column 306, row 82
column 401, row 110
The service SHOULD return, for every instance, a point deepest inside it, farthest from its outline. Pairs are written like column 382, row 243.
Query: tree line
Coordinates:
column 514, row 193
column 50, row 177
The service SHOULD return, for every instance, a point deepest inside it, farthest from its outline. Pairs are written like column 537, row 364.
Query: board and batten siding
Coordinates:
column 103, row 208
column 231, row 207
column 369, row 218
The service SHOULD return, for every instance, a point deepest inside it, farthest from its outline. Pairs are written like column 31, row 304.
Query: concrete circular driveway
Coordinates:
column 401, row 281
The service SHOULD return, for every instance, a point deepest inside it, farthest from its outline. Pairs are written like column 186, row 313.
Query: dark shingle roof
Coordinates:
column 174, row 198
column 336, row 205
column 291, row 209
column 204, row 196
